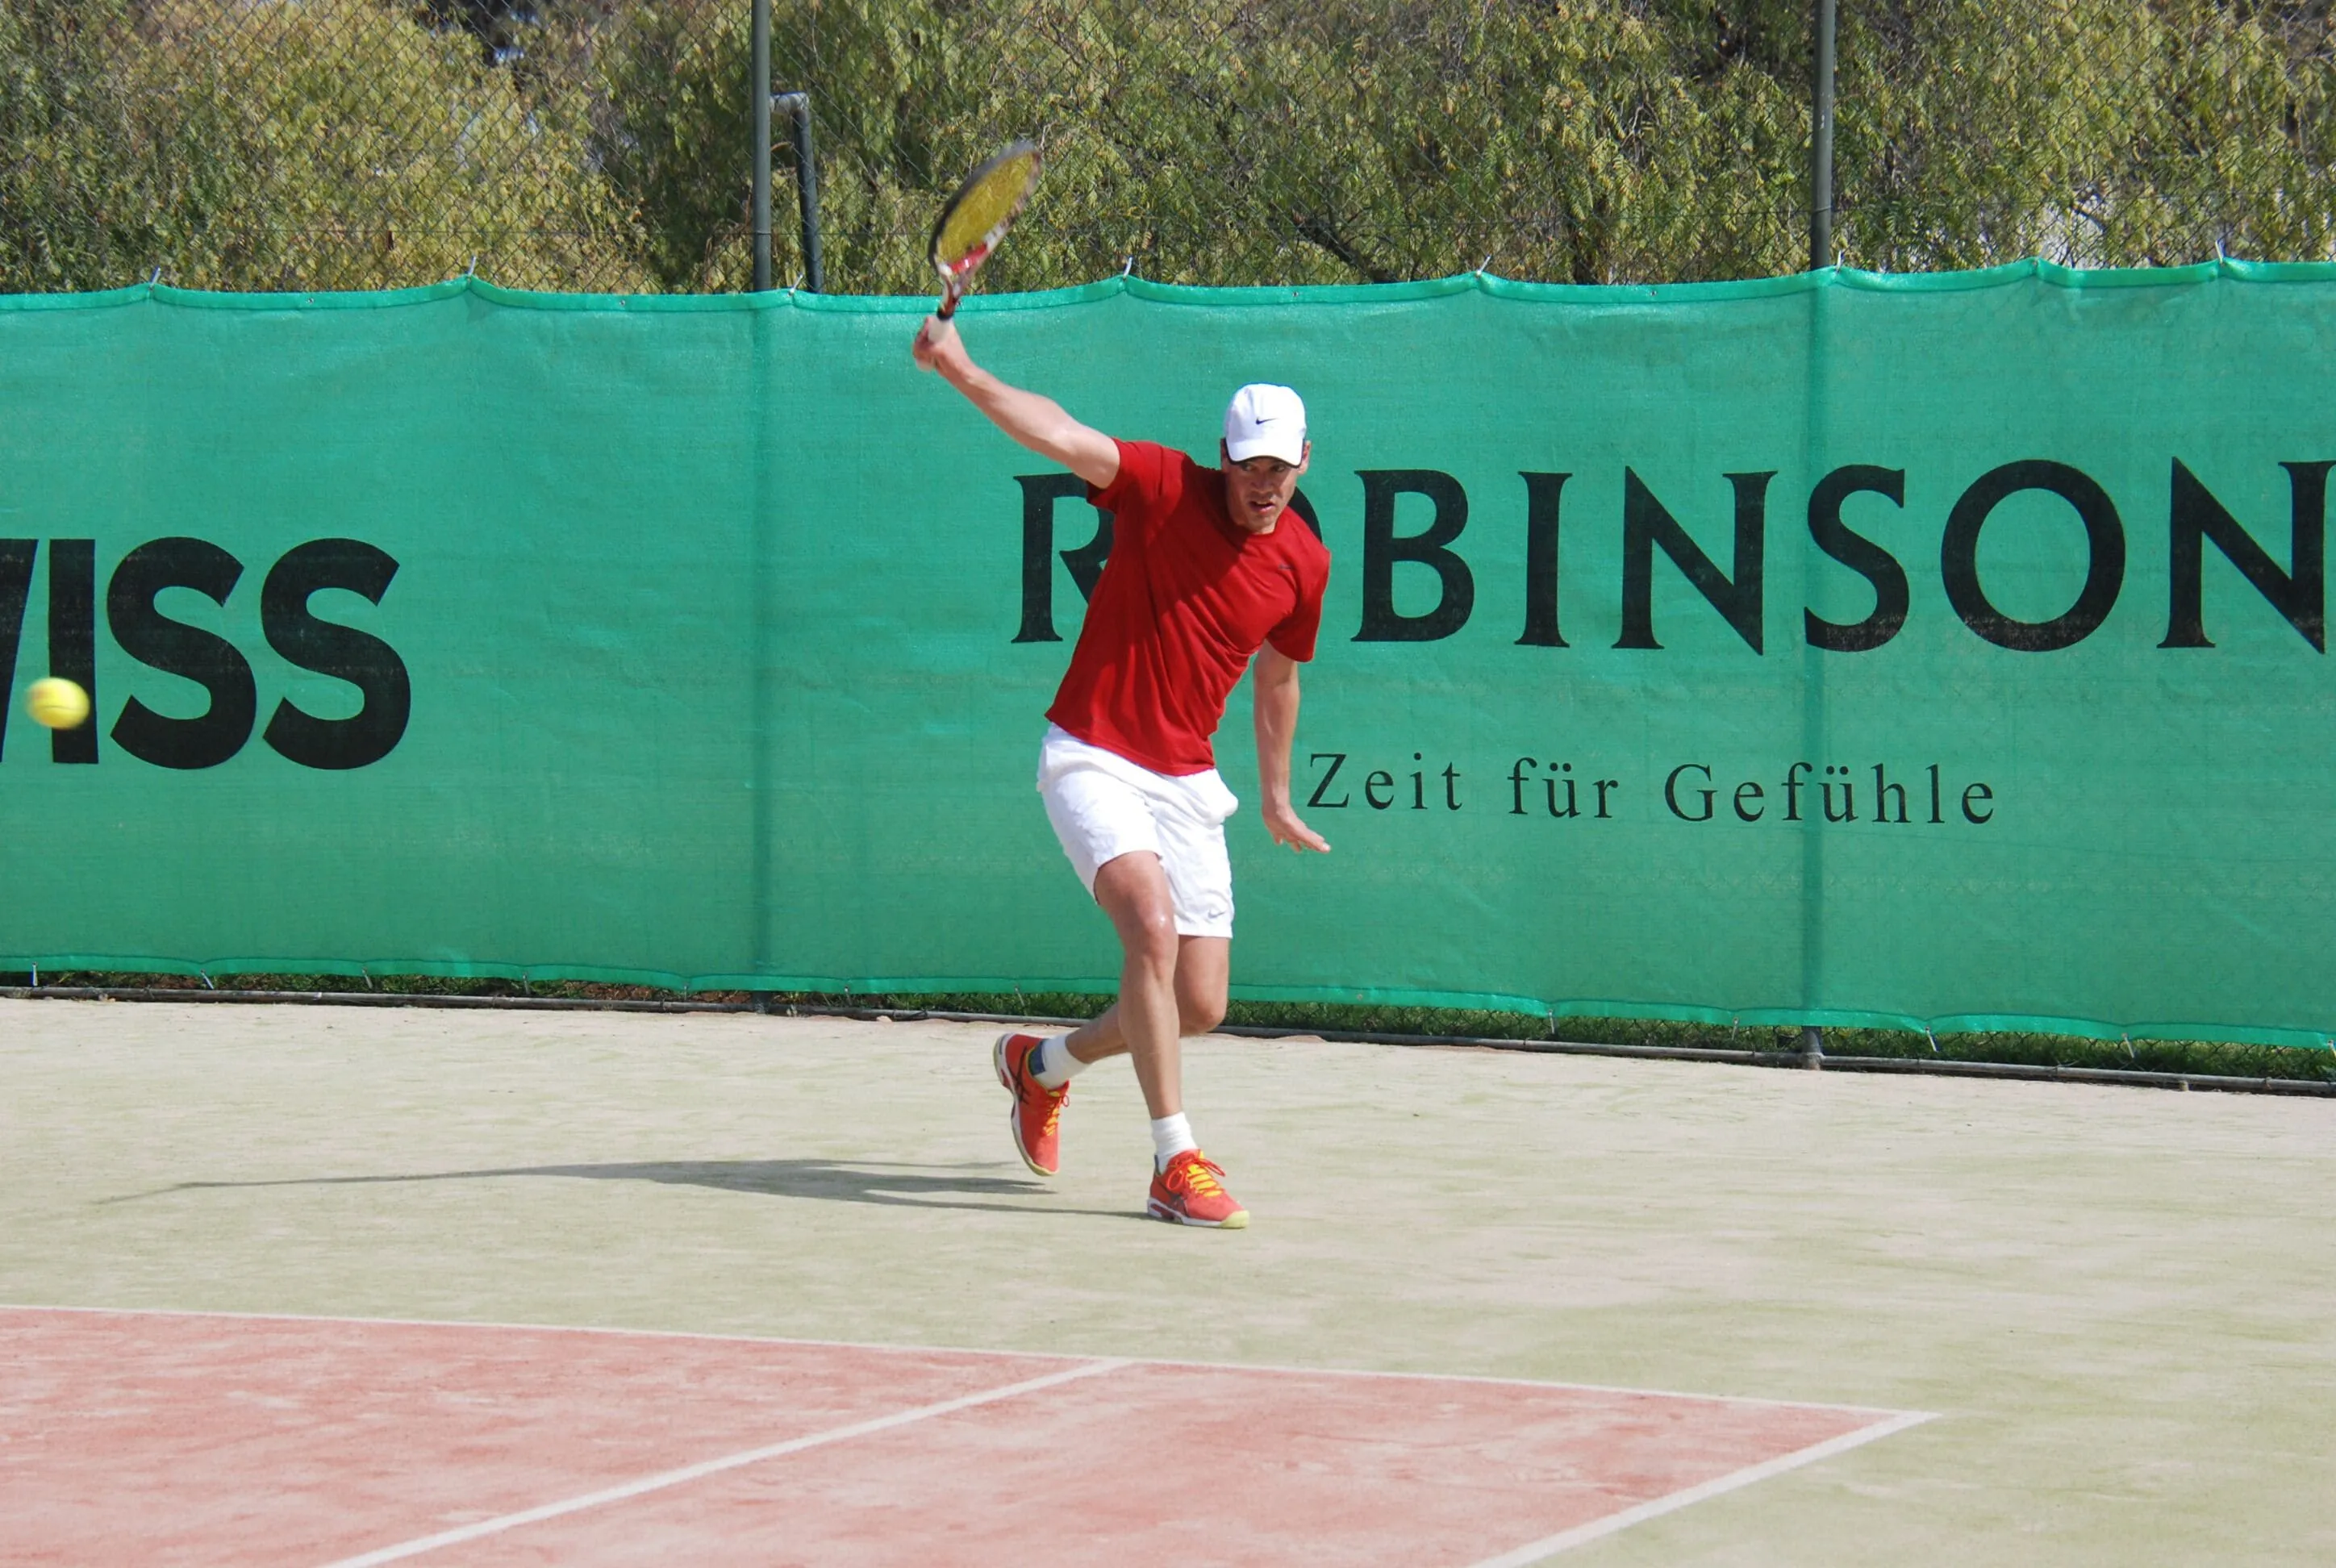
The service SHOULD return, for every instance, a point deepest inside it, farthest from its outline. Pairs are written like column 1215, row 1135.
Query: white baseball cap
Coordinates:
column 1265, row 421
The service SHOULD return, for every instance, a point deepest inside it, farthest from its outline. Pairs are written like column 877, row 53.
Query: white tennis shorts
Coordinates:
column 1105, row 806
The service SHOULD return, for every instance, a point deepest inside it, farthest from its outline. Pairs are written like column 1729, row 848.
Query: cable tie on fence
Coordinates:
column 1126, row 265
column 1932, row 1037
column 471, row 270
column 155, row 280
column 207, row 981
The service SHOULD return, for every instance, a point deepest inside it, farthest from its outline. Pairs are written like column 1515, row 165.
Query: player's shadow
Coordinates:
column 905, row 1187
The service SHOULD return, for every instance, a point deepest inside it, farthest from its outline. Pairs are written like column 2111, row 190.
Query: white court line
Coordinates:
column 657, row 1483
column 1550, row 1545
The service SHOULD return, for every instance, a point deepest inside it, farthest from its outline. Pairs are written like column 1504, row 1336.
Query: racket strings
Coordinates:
column 978, row 223
column 983, row 209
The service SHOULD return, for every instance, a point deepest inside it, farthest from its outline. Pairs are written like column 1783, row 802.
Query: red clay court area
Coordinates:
column 155, row 1438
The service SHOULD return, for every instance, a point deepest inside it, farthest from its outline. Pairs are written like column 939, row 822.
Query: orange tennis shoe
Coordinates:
column 1192, row 1191
column 1036, row 1114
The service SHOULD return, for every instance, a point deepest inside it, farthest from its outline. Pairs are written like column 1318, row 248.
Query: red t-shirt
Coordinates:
column 1186, row 598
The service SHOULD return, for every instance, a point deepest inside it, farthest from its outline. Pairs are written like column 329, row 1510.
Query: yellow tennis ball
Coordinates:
column 57, row 703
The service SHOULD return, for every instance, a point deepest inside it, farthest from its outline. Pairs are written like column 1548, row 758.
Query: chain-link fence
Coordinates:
column 605, row 144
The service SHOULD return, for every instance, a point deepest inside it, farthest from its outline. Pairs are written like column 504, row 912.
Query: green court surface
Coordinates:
column 2116, row 1302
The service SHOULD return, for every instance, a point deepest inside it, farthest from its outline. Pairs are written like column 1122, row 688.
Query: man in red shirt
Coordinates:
column 1208, row 567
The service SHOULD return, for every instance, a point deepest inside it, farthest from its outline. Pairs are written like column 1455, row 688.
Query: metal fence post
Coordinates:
column 1821, row 74
column 1821, row 78
column 760, row 110
column 798, row 108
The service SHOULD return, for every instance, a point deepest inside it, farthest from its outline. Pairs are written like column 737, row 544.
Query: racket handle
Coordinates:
column 949, row 305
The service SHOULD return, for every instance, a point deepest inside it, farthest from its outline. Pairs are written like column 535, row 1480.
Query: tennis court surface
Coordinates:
column 311, row 1286
column 158, row 1438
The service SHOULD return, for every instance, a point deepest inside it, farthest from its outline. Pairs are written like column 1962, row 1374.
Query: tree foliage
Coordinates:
column 2099, row 133
column 603, row 143
column 322, row 145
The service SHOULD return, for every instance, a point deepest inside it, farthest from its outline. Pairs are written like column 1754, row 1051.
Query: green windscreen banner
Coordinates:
column 1942, row 651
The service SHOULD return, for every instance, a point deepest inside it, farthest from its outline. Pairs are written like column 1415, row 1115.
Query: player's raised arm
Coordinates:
column 1038, row 422
column 1274, row 682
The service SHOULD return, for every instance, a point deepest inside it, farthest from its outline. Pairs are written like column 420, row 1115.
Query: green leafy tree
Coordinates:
column 1342, row 142
column 604, row 143
column 328, row 143
column 65, row 128
column 2097, row 132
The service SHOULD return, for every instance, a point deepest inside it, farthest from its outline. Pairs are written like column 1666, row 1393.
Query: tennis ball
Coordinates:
column 57, row 703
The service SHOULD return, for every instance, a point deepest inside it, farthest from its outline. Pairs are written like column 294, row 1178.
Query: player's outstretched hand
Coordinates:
column 1283, row 824
column 937, row 340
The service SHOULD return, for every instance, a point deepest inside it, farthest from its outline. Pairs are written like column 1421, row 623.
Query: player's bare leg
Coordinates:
column 1170, row 985
column 1200, row 989
column 1133, row 892
column 1187, row 1187
column 1203, row 966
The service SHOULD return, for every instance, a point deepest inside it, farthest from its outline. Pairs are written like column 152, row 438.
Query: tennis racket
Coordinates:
column 978, row 216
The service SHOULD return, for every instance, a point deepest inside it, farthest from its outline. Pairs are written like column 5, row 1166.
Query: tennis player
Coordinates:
column 1208, row 569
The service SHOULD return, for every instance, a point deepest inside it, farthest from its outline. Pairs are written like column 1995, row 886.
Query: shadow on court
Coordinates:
column 889, row 1185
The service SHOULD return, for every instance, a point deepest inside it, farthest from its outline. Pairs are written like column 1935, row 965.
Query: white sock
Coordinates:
column 1171, row 1136
column 1053, row 1064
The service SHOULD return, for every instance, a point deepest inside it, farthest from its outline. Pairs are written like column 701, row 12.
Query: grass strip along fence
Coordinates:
column 2214, row 1064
